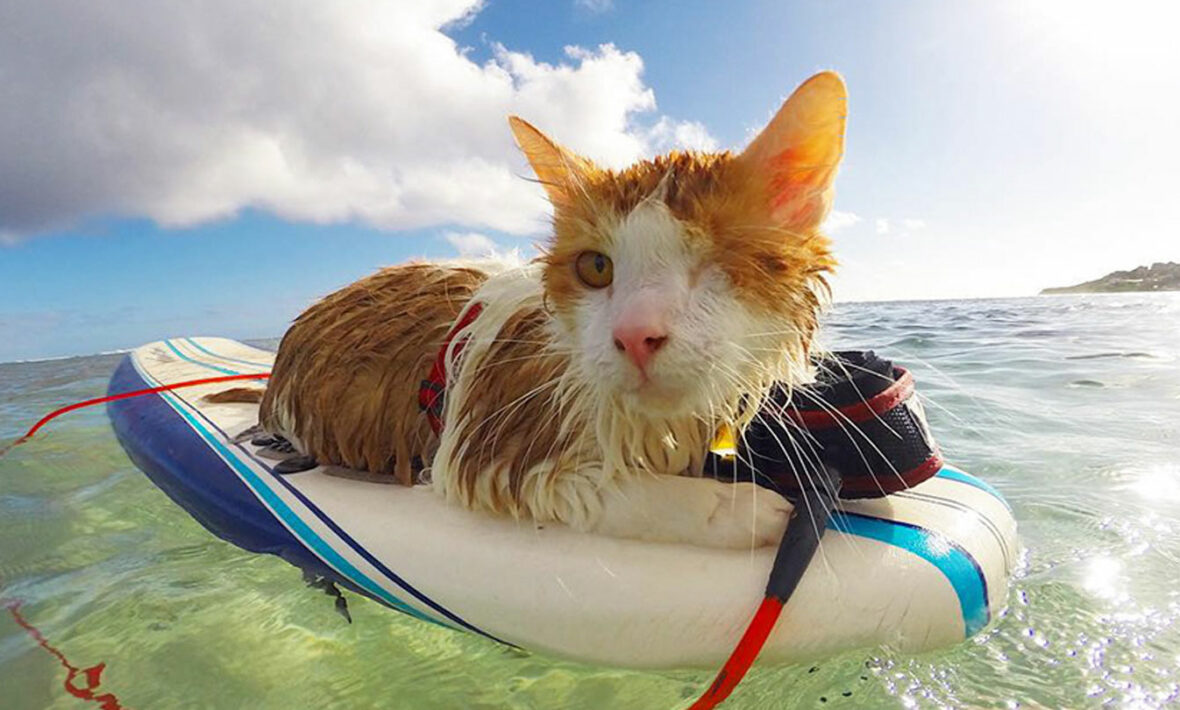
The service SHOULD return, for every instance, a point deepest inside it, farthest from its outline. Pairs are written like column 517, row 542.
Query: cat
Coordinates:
column 585, row 385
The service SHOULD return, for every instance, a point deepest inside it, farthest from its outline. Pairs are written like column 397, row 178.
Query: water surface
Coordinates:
column 1069, row 405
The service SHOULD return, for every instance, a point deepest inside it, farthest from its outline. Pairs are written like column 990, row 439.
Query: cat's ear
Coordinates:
column 559, row 170
column 797, row 154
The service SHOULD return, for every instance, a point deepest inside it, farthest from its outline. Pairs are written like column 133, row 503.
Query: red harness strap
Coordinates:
column 860, row 412
column 432, row 392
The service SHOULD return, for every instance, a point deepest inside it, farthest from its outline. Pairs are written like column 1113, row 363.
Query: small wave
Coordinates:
column 59, row 358
column 1098, row 356
column 1037, row 333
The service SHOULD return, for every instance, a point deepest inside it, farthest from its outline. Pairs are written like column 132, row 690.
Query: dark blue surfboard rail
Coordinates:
column 178, row 462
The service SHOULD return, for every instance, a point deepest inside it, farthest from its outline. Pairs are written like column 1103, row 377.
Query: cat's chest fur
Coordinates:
column 517, row 414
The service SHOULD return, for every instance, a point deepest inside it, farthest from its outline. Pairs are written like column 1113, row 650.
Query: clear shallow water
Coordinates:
column 1069, row 405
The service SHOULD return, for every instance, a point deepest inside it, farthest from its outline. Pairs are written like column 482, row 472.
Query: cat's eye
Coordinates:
column 594, row 269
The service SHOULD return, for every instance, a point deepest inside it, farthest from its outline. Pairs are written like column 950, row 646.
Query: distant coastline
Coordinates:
column 1160, row 276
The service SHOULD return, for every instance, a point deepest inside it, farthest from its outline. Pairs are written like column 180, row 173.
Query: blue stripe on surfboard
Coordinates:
column 952, row 504
column 296, row 524
column 186, row 358
column 955, row 563
column 224, row 358
column 354, row 545
column 953, row 474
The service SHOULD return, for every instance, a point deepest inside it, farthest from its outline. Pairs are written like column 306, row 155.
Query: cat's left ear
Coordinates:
column 560, row 171
column 797, row 154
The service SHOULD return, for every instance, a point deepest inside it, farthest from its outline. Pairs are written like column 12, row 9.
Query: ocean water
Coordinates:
column 1069, row 405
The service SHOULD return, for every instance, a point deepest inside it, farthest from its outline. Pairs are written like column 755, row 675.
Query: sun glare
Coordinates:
column 1134, row 40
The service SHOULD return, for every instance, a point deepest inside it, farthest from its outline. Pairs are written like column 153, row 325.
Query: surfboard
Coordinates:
column 921, row 569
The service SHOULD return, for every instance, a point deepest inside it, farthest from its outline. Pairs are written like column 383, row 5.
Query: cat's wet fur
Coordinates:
column 668, row 299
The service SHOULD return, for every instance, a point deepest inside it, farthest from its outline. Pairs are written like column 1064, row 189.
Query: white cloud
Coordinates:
column 838, row 220
column 905, row 226
column 667, row 134
column 186, row 112
column 596, row 6
column 472, row 244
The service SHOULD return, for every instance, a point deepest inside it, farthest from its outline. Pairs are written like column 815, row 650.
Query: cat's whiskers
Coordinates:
column 981, row 406
column 752, row 388
column 767, row 402
column 846, row 366
column 740, row 382
column 812, row 466
column 844, row 423
column 501, row 414
column 812, row 475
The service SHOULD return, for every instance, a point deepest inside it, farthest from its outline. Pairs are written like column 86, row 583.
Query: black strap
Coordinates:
column 813, row 509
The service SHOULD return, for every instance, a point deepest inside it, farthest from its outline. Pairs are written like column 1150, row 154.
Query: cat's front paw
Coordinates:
column 695, row 511
column 746, row 515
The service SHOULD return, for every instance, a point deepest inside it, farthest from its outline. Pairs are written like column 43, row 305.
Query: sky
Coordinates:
column 212, row 168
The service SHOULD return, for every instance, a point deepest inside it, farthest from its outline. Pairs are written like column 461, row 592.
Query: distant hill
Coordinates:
column 1159, row 276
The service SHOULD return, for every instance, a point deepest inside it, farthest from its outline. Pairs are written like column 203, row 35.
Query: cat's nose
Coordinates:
column 639, row 341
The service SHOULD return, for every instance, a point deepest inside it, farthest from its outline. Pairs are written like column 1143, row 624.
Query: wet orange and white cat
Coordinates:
column 668, row 299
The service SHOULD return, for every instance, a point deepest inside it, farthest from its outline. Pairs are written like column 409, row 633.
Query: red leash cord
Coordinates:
column 91, row 677
column 126, row 395
column 743, row 655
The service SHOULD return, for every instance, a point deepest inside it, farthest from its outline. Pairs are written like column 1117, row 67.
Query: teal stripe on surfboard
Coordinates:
column 287, row 516
column 225, row 358
column 186, row 358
